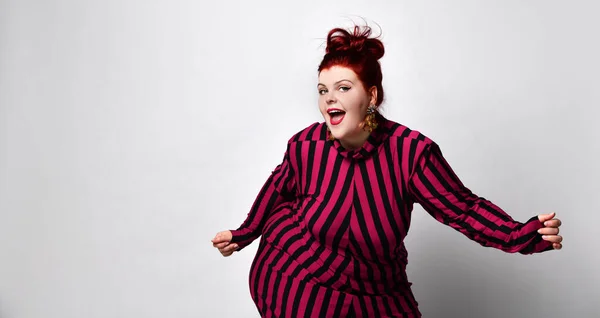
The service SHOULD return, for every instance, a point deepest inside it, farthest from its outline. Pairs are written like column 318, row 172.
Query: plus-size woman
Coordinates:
column 334, row 214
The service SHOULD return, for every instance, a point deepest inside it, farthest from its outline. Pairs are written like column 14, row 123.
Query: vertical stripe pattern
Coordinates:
column 333, row 223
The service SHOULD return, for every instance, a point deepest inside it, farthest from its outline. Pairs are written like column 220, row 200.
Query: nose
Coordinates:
column 330, row 98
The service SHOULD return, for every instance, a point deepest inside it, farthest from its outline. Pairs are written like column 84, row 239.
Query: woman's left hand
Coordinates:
column 550, row 230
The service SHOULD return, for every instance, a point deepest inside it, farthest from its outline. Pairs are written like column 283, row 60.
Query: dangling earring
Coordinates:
column 371, row 119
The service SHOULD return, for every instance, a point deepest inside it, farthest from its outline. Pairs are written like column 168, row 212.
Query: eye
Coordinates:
column 344, row 88
column 322, row 91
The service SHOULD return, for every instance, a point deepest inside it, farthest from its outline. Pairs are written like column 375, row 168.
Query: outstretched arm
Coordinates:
column 279, row 188
column 435, row 186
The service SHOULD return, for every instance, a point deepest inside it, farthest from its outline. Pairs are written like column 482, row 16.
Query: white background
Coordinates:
column 132, row 131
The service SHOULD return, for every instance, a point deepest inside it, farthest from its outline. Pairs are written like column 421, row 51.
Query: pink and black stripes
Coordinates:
column 437, row 188
column 333, row 223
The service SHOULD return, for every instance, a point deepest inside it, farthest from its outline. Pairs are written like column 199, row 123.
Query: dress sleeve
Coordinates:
column 436, row 187
column 279, row 188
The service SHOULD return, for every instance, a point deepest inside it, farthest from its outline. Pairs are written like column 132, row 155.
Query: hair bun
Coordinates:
column 340, row 41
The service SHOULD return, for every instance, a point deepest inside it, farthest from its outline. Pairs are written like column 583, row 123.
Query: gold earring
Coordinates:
column 371, row 119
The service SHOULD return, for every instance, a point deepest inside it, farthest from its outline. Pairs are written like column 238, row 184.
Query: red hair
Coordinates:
column 358, row 52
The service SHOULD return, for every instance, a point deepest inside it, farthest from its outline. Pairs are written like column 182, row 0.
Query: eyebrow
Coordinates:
column 335, row 82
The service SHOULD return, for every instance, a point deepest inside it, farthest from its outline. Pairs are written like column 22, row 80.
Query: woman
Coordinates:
column 333, row 215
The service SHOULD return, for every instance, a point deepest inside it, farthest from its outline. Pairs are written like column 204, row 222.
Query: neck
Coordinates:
column 356, row 141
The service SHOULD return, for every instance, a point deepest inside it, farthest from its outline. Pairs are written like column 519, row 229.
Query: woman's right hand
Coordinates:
column 222, row 242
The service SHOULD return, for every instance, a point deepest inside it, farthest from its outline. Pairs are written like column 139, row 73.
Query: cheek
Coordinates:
column 322, row 105
column 353, row 105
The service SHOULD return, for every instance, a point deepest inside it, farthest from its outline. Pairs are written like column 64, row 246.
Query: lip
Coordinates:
column 338, row 120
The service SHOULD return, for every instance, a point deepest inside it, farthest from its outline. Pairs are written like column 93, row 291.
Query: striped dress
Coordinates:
column 333, row 222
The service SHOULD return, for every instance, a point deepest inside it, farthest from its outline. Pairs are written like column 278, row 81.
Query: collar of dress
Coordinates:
column 375, row 139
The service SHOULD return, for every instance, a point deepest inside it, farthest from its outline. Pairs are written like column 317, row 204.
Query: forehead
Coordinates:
column 336, row 73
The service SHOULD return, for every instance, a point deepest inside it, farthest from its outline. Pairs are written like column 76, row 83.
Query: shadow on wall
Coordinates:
column 468, row 280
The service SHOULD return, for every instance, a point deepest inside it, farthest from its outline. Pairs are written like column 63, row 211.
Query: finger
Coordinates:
column 546, row 217
column 553, row 223
column 557, row 246
column 552, row 238
column 549, row 230
column 220, row 245
column 219, row 238
column 228, row 250
column 226, row 254
column 231, row 247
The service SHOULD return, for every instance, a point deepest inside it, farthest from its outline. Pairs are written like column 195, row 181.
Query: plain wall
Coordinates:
column 133, row 131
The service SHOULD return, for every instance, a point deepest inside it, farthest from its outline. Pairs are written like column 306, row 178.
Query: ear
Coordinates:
column 373, row 94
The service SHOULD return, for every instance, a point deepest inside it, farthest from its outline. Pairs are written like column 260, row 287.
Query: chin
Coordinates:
column 343, row 130
column 339, row 134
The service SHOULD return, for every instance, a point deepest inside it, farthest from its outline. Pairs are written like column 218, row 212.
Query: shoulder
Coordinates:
column 314, row 132
column 413, row 148
column 403, row 134
column 410, row 143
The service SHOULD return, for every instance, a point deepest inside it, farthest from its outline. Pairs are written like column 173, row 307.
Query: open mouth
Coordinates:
column 337, row 115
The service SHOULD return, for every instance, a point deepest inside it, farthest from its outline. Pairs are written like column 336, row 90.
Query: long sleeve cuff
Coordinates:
column 536, row 244
column 242, row 238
